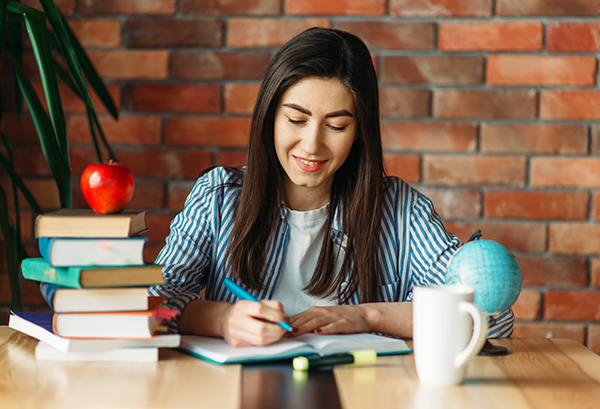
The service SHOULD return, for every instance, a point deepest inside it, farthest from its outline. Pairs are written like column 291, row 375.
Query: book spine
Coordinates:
column 38, row 269
column 44, row 244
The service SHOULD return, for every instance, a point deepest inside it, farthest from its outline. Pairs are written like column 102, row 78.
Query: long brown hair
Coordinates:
column 358, row 184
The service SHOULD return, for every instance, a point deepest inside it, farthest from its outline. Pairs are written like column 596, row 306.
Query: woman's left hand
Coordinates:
column 339, row 319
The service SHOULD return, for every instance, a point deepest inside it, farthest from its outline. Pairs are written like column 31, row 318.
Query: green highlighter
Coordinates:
column 351, row 358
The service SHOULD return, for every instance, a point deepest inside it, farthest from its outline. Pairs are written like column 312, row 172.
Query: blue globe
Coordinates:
column 491, row 270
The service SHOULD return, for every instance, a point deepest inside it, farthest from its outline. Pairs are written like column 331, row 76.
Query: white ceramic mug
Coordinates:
column 448, row 331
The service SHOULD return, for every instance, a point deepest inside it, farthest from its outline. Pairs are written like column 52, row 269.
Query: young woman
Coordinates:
column 311, row 221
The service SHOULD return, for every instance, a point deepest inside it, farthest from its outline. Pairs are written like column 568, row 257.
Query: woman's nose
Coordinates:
column 312, row 139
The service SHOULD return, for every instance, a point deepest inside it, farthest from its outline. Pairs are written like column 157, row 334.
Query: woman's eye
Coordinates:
column 337, row 128
column 295, row 122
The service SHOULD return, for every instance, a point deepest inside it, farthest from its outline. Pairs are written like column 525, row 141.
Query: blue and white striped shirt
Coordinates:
column 414, row 249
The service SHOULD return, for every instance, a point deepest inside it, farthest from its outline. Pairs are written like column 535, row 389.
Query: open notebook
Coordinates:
column 218, row 351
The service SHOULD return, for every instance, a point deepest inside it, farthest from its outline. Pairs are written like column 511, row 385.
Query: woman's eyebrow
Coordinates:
column 341, row 112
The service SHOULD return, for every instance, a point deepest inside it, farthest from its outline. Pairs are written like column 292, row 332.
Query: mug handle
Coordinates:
column 480, row 326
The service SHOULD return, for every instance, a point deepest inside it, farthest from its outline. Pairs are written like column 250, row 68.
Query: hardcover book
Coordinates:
column 69, row 251
column 66, row 299
column 86, row 223
column 39, row 269
column 39, row 326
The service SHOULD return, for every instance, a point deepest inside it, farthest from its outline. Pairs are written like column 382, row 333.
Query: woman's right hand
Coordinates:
column 249, row 323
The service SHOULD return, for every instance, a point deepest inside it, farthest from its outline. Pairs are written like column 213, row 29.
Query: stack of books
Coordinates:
column 97, row 285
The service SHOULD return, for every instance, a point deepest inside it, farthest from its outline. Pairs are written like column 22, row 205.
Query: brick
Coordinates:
column 528, row 306
column 596, row 206
column 232, row 7
column 407, row 167
column 441, row 8
column 519, row 237
column 565, row 172
column 44, row 191
column 474, row 170
column 240, row 98
column 593, row 338
column 488, row 104
column 128, row 7
column 127, row 130
column 549, row 330
column 187, row 32
column 193, row 65
column 454, row 203
column 595, row 142
column 131, row 64
column 231, row 158
column 151, row 251
column 208, row 131
column 161, row 163
column 573, row 36
column 267, row 32
column 29, row 160
column 570, row 105
column 336, row 7
column 574, row 238
column 72, row 103
column 429, row 136
column 146, row 195
column 490, row 36
column 595, row 271
column 572, row 305
column 534, row 138
column 97, row 32
column 403, row 102
column 158, row 227
column 554, row 271
column 541, row 70
column 178, row 191
column 204, row 98
column 431, row 70
column 558, row 8
column 392, row 35
column 18, row 129
column 537, row 205
column 66, row 7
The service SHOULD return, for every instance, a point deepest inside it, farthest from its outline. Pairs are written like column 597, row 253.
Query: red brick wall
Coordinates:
column 490, row 107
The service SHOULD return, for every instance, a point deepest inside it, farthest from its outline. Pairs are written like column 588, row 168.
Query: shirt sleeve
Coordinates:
column 432, row 248
column 187, row 253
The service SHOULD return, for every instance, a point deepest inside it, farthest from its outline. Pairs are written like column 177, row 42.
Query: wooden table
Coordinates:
column 537, row 373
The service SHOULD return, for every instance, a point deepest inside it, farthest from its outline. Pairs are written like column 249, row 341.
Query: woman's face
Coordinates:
column 315, row 127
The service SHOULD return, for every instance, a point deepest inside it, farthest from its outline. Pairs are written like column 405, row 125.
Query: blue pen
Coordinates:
column 242, row 294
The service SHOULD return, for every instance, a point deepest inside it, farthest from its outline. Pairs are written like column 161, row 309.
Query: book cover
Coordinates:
column 218, row 351
column 115, row 324
column 39, row 269
column 87, row 223
column 66, row 299
column 39, row 326
column 45, row 352
column 72, row 252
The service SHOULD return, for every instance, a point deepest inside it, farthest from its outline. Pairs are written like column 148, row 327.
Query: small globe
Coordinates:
column 491, row 270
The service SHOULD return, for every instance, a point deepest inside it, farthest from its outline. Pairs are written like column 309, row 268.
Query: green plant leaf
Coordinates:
column 35, row 21
column 92, row 75
column 58, row 166
column 10, row 253
column 59, row 26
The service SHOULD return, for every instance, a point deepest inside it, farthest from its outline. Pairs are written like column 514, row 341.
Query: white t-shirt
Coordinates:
column 306, row 233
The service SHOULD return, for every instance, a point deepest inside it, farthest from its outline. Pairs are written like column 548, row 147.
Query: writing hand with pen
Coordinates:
column 252, row 322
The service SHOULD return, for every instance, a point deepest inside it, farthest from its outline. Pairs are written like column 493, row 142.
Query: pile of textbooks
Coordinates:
column 96, row 283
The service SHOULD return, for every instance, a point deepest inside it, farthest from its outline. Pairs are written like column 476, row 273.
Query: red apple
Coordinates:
column 107, row 187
